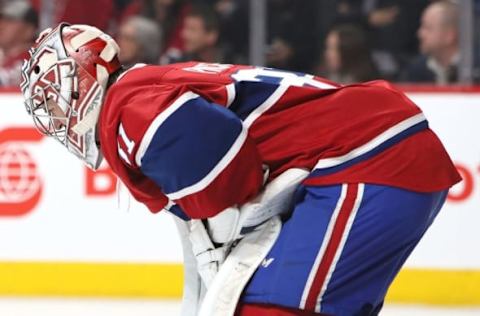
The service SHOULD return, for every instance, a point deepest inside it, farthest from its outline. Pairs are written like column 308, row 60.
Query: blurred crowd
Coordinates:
column 343, row 40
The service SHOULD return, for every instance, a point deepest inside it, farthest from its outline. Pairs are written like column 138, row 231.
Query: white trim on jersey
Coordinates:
column 162, row 117
column 231, row 93
column 139, row 65
column 372, row 144
column 221, row 165
column 340, row 247
column 266, row 105
column 311, row 81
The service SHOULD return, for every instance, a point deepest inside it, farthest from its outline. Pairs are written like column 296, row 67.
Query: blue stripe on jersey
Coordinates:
column 249, row 95
column 383, row 146
column 189, row 144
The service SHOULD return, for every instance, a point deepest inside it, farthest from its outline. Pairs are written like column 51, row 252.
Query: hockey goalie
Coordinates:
column 293, row 195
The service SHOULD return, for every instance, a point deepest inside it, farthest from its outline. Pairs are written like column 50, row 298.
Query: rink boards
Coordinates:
column 65, row 230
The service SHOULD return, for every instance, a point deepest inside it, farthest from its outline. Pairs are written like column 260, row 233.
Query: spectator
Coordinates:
column 439, row 45
column 18, row 25
column 170, row 16
column 139, row 39
column 200, row 35
column 347, row 57
column 392, row 25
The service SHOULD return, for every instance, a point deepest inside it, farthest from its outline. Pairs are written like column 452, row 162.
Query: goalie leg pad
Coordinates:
column 193, row 289
column 224, row 292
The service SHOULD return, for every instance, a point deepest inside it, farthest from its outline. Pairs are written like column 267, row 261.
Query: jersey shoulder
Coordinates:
column 133, row 103
column 194, row 72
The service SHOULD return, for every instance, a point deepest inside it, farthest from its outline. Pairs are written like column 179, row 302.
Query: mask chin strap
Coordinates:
column 88, row 122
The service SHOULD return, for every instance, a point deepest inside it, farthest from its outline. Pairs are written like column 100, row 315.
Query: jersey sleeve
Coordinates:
column 201, row 156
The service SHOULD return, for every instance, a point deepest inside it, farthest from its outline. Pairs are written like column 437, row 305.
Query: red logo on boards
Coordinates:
column 465, row 189
column 20, row 183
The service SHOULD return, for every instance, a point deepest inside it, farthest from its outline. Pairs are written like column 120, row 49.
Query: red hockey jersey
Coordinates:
column 200, row 135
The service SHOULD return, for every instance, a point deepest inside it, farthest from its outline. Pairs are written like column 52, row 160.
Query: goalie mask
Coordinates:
column 64, row 83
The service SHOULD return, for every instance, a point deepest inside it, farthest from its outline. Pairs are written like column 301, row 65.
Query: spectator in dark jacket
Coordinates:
column 439, row 45
column 200, row 35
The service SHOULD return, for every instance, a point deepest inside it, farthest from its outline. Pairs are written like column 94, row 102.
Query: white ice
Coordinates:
column 132, row 307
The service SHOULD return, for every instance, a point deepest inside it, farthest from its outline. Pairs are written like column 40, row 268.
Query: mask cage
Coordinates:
column 43, row 117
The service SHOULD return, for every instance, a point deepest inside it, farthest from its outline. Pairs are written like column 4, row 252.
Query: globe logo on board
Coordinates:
column 19, row 179
column 20, row 183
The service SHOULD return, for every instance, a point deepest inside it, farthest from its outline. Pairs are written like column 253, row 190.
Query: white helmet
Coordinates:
column 64, row 84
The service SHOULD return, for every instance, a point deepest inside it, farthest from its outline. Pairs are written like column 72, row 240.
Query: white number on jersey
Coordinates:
column 127, row 142
column 280, row 77
column 208, row 68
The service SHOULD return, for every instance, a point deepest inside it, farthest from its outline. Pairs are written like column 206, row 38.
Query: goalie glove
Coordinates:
column 276, row 199
column 208, row 257
column 212, row 244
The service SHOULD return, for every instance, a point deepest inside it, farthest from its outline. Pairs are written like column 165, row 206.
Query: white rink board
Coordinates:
column 67, row 224
column 452, row 241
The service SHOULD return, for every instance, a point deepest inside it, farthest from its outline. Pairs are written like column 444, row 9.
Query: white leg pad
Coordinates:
column 193, row 289
column 223, row 294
